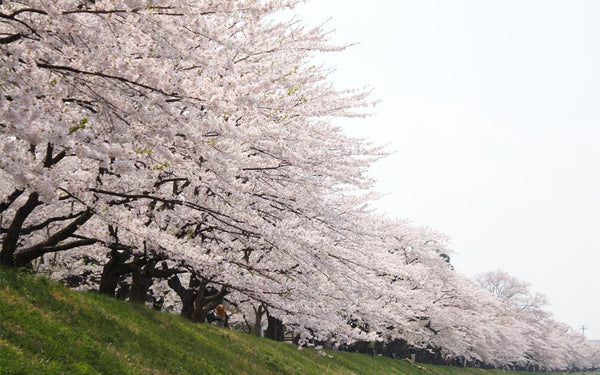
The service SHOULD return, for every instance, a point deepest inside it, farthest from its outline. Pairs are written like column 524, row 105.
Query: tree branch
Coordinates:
column 10, row 199
column 33, row 228
column 103, row 75
column 22, row 10
column 25, row 256
column 10, row 39
column 222, row 218
column 49, row 159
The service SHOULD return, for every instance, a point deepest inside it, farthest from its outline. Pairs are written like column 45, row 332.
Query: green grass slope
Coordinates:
column 46, row 328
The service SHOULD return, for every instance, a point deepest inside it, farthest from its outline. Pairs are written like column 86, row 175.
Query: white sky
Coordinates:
column 492, row 108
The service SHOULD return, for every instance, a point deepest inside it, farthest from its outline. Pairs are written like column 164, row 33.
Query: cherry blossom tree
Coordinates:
column 512, row 290
column 543, row 342
column 97, row 131
column 142, row 146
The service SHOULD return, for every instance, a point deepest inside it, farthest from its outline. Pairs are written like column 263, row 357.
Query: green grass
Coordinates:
column 46, row 328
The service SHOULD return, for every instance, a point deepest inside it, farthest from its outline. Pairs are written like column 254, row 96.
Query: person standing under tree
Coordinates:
column 221, row 315
column 371, row 348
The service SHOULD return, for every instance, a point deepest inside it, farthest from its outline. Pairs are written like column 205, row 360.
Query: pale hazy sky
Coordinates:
column 493, row 111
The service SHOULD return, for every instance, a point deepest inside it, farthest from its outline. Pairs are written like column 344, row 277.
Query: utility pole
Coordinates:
column 583, row 328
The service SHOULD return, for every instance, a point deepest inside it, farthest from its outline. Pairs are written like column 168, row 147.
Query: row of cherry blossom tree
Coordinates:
column 154, row 149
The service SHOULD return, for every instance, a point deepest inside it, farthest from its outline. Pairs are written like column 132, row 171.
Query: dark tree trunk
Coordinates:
column 256, row 329
column 143, row 272
column 11, row 238
column 274, row 329
column 198, row 299
column 114, row 269
column 141, row 283
column 187, row 296
column 205, row 301
column 111, row 274
column 8, row 252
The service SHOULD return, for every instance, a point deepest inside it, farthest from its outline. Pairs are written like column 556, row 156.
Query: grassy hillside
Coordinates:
column 46, row 328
